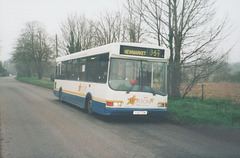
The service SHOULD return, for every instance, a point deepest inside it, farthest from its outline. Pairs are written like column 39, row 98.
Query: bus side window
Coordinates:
column 75, row 69
column 68, row 73
column 58, row 71
column 82, row 69
column 64, row 69
column 102, row 68
column 91, row 69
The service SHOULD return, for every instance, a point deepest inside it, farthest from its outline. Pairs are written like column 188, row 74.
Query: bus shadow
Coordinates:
column 126, row 119
column 69, row 106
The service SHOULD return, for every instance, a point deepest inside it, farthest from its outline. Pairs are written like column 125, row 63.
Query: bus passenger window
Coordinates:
column 58, row 71
column 91, row 69
column 102, row 68
column 75, row 70
column 82, row 69
column 64, row 69
column 68, row 73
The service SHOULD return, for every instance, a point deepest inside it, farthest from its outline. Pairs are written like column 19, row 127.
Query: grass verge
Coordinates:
column 211, row 112
column 43, row 82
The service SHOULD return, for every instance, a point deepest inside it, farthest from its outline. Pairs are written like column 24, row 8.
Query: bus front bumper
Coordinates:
column 119, row 111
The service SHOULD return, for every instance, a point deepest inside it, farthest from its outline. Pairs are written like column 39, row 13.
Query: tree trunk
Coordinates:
column 40, row 71
column 175, row 80
column 39, row 75
column 176, row 41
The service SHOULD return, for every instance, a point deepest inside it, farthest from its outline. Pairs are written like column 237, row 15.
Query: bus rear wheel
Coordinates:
column 60, row 95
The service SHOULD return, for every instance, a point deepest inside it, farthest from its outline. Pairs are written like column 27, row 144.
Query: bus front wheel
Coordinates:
column 89, row 106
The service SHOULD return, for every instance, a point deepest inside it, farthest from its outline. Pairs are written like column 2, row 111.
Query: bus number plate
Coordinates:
column 139, row 112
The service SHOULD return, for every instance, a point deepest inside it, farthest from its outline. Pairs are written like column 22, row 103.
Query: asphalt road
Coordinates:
column 35, row 124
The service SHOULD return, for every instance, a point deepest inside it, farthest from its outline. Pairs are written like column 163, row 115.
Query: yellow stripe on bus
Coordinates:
column 83, row 95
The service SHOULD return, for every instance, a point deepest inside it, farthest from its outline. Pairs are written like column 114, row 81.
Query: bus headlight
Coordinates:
column 117, row 104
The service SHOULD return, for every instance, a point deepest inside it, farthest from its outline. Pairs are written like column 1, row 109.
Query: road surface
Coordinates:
column 35, row 124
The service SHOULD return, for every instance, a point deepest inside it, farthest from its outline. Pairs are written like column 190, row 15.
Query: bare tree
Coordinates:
column 108, row 29
column 188, row 29
column 77, row 34
column 134, row 22
column 149, row 12
column 80, row 33
column 195, row 38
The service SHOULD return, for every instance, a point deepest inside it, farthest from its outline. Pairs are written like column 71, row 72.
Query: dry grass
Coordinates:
column 219, row 90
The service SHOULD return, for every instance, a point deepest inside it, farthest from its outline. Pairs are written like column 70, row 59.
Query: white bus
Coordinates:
column 115, row 79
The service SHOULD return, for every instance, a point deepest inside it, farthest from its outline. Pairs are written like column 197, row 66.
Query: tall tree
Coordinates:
column 32, row 53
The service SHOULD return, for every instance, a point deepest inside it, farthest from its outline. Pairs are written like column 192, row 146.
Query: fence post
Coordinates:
column 202, row 91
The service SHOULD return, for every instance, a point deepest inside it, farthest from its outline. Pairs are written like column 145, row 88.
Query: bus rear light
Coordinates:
column 114, row 104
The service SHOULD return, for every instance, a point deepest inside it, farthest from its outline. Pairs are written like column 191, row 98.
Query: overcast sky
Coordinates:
column 14, row 14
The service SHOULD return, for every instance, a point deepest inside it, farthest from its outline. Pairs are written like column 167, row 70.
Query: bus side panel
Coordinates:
column 73, row 99
column 98, row 107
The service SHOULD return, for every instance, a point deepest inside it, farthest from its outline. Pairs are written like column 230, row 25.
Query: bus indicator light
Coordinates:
column 162, row 105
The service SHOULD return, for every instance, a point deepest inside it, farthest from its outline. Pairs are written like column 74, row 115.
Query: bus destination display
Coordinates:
column 138, row 51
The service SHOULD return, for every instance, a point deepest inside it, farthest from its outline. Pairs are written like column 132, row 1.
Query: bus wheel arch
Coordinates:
column 88, row 103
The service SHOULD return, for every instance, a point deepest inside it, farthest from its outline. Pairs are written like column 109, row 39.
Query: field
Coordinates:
column 217, row 90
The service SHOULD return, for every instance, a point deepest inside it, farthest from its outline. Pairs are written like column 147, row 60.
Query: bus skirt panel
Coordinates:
column 73, row 99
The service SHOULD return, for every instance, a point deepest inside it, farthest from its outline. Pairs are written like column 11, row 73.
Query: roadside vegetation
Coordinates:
column 210, row 112
column 3, row 71
column 43, row 82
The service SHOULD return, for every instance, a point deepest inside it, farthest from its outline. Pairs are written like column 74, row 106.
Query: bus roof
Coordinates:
column 114, row 50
